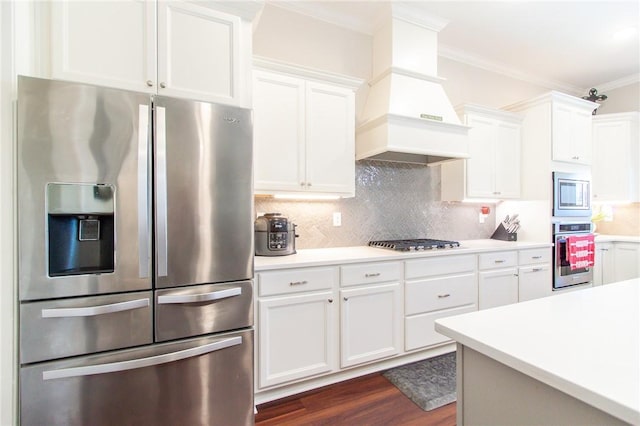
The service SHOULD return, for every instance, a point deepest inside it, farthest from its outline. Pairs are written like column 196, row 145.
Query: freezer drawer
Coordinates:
column 205, row 381
column 195, row 310
column 68, row 327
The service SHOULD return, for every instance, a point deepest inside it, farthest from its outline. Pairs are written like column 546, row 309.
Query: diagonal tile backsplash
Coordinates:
column 393, row 200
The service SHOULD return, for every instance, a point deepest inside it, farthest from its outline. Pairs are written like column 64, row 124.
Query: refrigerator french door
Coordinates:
column 135, row 257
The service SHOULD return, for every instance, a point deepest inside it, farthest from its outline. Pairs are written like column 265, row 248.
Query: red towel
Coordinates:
column 580, row 251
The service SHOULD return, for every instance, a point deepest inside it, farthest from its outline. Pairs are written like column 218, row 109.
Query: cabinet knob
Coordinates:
column 163, row 85
column 149, row 83
column 516, row 275
column 308, row 183
column 345, row 298
column 301, row 183
column 330, row 300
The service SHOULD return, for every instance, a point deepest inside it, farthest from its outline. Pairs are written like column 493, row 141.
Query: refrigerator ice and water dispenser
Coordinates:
column 80, row 228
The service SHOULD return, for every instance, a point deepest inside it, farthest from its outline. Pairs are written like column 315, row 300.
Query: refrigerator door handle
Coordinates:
column 161, row 189
column 143, row 191
column 90, row 311
column 203, row 297
column 133, row 364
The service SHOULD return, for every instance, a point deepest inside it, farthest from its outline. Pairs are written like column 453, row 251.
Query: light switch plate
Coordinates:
column 337, row 219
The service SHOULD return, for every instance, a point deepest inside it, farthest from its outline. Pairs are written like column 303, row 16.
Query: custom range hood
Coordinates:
column 408, row 116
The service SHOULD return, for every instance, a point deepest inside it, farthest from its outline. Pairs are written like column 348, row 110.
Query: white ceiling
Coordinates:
column 562, row 45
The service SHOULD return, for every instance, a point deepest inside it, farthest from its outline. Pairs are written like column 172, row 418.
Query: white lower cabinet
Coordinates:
column 497, row 279
column 627, row 261
column 371, row 313
column 369, row 323
column 297, row 329
column 604, row 267
column 437, row 288
column 534, row 274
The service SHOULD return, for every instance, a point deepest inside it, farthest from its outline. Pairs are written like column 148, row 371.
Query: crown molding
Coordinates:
column 316, row 11
column 478, row 62
column 616, row 84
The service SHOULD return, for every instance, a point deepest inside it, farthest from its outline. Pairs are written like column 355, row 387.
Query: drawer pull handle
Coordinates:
column 499, row 261
column 90, row 311
column 375, row 274
column 298, row 283
column 442, row 296
column 197, row 298
column 536, row 257
column 537, row 269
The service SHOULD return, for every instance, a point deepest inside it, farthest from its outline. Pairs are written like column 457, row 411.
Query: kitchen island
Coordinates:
column 569, row 359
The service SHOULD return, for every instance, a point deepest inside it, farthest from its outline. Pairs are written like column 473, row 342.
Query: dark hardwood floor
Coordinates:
column 368, row 400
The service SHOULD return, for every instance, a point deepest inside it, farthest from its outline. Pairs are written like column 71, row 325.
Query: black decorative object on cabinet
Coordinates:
column 593, row 97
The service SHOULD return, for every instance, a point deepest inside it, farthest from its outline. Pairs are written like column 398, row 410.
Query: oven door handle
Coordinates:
column 203, row 297
column 133, row 364
column 90, row 311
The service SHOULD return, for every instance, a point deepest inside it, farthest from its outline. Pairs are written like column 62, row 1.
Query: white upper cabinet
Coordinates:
column 303, row 132
column 493, row 169
column 571, row 133
column 173, row 48
column 616, row 148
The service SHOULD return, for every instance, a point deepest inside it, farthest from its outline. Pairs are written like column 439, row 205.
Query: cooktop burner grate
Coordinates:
column 414, row 244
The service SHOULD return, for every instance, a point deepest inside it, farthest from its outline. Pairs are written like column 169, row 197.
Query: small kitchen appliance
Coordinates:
column 414, row 244
column 275, row 235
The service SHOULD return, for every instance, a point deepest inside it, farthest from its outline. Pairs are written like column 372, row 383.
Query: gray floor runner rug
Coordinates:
column 430, row 383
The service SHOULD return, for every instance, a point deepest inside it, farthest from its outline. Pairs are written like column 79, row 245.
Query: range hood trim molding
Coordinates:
column 416, row 121
column 407, row 73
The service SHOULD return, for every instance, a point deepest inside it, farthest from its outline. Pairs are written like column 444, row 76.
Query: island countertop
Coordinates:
column 584, row 343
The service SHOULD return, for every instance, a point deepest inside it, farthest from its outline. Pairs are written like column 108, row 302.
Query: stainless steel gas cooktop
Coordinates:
column 414, row 244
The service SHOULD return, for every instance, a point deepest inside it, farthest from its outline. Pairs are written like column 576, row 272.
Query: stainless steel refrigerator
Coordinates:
column 135, row 258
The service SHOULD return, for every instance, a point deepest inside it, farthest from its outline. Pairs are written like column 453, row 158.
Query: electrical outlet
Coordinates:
column 337, row 219
column 481, row 217
column 258, row 214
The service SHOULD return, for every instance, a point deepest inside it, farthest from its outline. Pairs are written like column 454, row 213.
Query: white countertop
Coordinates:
column 342, row 255
column 604, row 238
column 584, row 343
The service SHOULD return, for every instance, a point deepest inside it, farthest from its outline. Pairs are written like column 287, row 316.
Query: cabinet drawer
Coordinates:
column 420, row 329
column 296, row 280
column 501, row 259
column 440, row 265
column 532, row 256
column 440, row 293
column 367, row 273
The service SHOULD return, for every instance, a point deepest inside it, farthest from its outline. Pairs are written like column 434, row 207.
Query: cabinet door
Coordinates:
column 370, row 323
column 297, row 337
column 198, row 53
column 480, row 177
column 278, row 132
column 497, row 288
column 330, row 139
column 534, row 282
column 612, row 161
column 507, row 160
column 603, row 268
column 104, row 43
column 571, row 134
column 627, row 261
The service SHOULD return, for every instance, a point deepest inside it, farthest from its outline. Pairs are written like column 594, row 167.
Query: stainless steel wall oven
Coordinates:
column 564, row 274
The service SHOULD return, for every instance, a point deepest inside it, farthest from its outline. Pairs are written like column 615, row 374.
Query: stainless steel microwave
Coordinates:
column 571, row 195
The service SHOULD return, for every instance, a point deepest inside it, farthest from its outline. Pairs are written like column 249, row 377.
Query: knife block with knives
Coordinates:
column 507, row 229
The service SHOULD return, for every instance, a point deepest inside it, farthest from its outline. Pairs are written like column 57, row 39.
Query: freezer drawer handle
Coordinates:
column 204, row 297
column 90, row 311
column 133, row 364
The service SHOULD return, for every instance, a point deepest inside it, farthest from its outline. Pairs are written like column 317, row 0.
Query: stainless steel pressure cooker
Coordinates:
column 275, row 235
